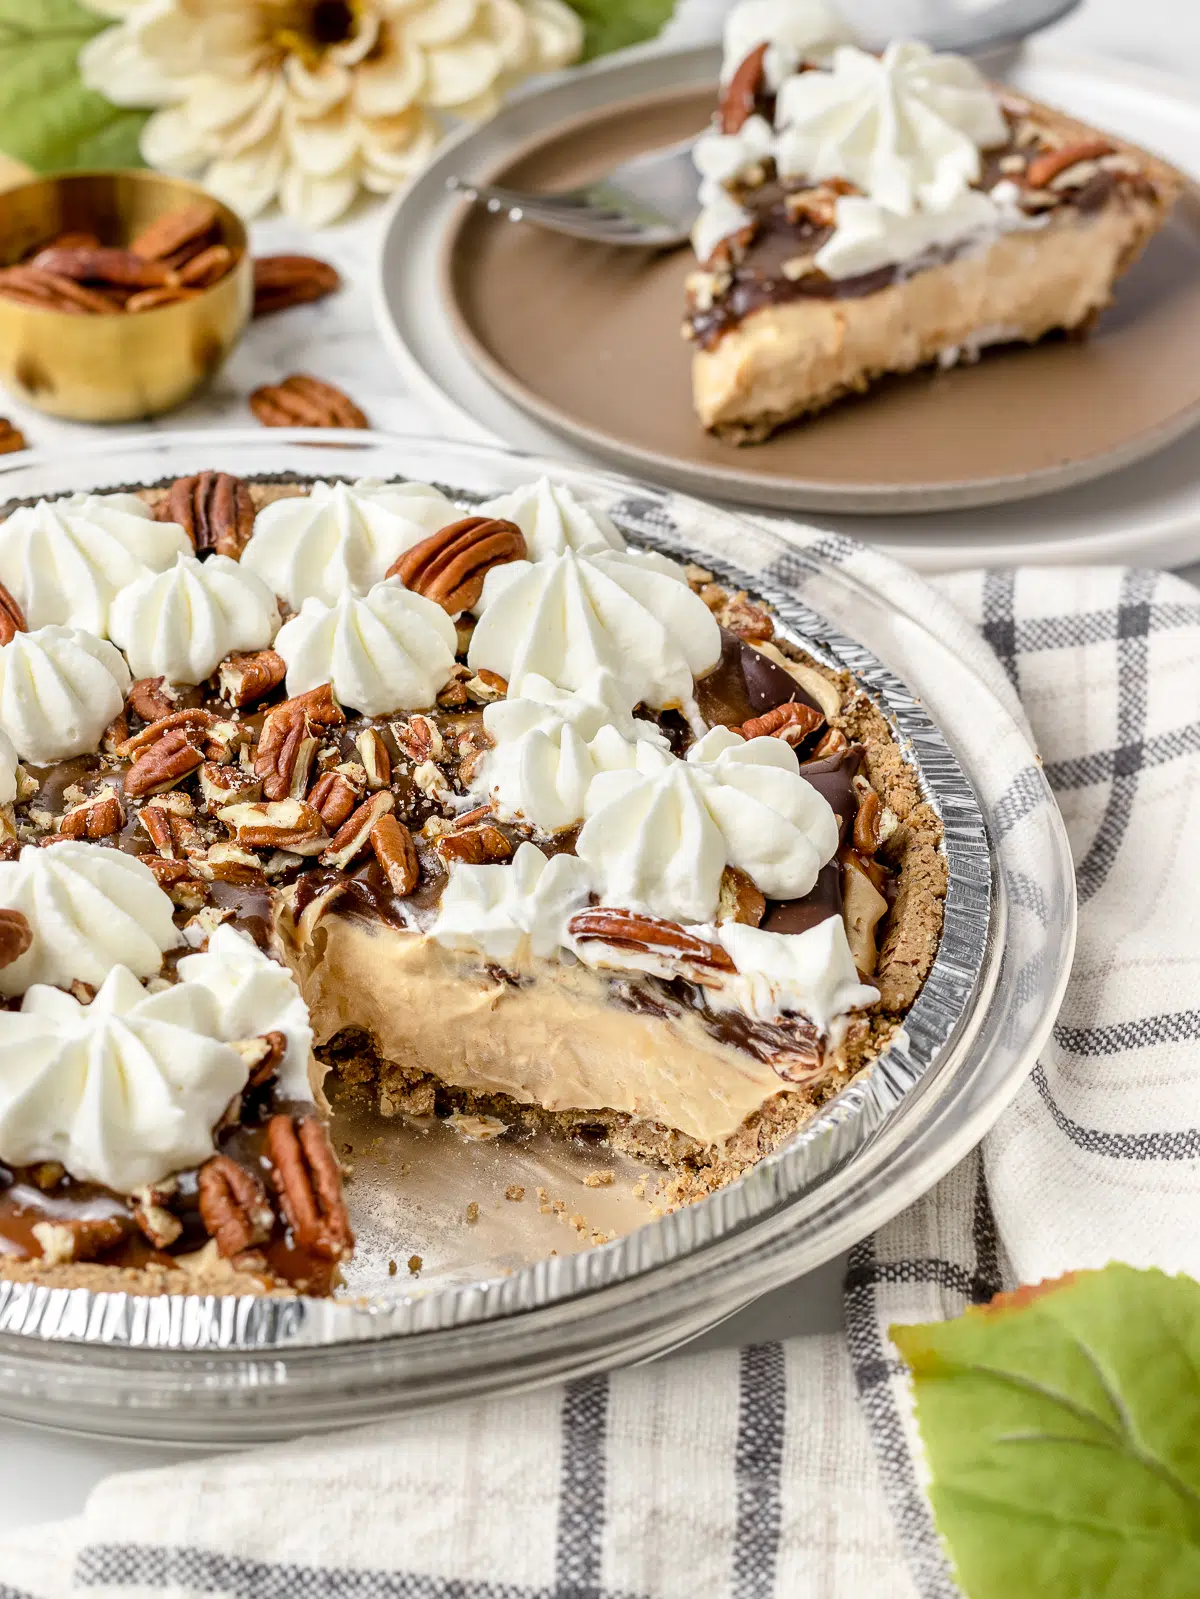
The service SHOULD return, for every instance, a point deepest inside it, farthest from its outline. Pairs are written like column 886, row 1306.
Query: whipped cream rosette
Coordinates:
column 548, row 744
column 573, row 616
column 59, row 689
column 658, row 837
column 123, row 1091
column 89, row 910
column 64, row 561
column 8, row 769
column 387, row 650
column 341, row 536
column 181, row 624
column 793, row 31
column 553, row 520
column 810, row 974
column 514, row 912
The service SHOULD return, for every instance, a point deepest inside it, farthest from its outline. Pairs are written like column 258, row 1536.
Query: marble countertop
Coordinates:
column 44, row 1477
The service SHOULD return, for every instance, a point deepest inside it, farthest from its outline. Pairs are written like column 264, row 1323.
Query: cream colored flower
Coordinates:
column 309, row 100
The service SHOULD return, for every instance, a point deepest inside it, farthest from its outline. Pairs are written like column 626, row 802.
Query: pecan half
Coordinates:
column 247, row 678
column 12, row 617
column 792, row 722
column 227, row 784
column 281, row 281
column 33, row 286
column 102, row 264
column 651, row 935
column 396, row 853
column 373, row 753
column 475, row 846
column 833, row 742
column 11, row 438
column 206, row 268
column 175, row 878
column 738, row 100
column 740, row 900
column 233, row 1206
column 214, row 509
column 263, row 1056
column 79, row 1238
column 450, row 565
column 165, row 762
column 354, row 833
column 147, row 698
column 304, row 401
column 310, row 1185
column 289, row 824
column 175, row 230
column 16, row 935
column 866, row 822
column 101, row 816
column 192, row 717
column 419, row 738
column 333, row 796
column 151, row 299
column 1047, row 167
column 284, row 733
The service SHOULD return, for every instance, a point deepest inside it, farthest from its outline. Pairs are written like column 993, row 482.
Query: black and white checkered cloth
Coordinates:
column 788, row 1469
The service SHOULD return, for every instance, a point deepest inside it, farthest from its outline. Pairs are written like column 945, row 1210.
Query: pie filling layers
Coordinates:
column 865, row 215
column 484, row 811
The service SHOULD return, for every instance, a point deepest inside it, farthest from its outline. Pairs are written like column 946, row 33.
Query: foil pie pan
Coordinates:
column 508, row 1297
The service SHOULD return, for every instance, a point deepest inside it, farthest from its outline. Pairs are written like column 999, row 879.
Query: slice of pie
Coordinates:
column 867, row 215
column 486, row 813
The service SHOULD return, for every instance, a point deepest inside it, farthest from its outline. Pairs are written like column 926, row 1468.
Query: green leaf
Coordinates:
column 612, row 24
column 1062, row 1429
column 51, row 121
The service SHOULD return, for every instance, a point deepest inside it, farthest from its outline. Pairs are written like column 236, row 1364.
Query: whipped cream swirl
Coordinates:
column 512, row 913
column 65, row 560
column 906, row 127
column 388, row 650
column 548, row 745
column 89, row 908
column 59, row 689
column 793, row 31
column 341, row 536
column 657, row 838
column 181, row 624
column 553, row 520
column 8, row 770
column 572, row 616
column 123, row 1091
column 810, row 974
column 255, row 995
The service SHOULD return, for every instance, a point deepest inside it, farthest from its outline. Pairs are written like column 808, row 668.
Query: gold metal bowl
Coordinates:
column 114, row 368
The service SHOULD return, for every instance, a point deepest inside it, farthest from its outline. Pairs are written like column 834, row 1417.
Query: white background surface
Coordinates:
column 44, row 1477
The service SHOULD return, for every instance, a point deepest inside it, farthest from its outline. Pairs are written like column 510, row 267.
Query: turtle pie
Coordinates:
column 865, row 215
column 481, row 809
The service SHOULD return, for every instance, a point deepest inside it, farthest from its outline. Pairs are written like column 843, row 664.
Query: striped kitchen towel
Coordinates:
column 789, row 1469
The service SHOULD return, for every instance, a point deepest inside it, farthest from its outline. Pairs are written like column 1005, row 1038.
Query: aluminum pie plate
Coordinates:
column 519, row 1298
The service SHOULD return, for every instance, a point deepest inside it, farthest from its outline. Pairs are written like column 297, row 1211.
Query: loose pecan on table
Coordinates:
column 11, row 438
column 649, row 934
column 12, row 617
column 304, row 401
column 396, row 853
column 310, row 1185
column 214, row 509
column 450, row 565
column 281, row 281
column 233, row 1206
column 15, row 936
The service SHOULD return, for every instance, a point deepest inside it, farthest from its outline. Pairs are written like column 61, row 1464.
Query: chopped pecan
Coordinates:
column 354, row 833
column 486, row 687
column 792, row 722
column 233, row 1206
column 149, row 699
column 229, row 862
column 159, row 1225
column 281, row 281
column 863, row 908
column 740, row 900
column 866, row 822
column 741, row 92
column 175, row 878
column 227, row 785
column 209, row 266
column 263, row 1056
column 290, row 824
column 333, row 796
column 454, row 695
column 475, row 846
column 284, row 731
column 304, row 401
column 651, row 935
column 396, row 853
column 214, row 509
column 247, row 678
column 11, row 438
column 419, row 738
column 373, row 753
column 310, row 1185
column 748, row 620
column 157, row 823
column 450, row 565
column 79, row 1238
column 833, row 742
column 15, row 936
column 151, row 299
column 165, row 762
column 12, row 617
column 33, row 286
column 100, row 816
column 193, row 718
column 1047, row 167
column 102, row 264
column 172, row 232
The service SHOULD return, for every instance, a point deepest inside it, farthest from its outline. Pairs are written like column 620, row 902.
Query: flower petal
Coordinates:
column 115, row 65
column 322, row 147
column 249, row 180
column 171, row 142
column 317, row 201
column 392, row 152
column 392, row 79
column 314, row 91
column 461, row 72
column 440, row 22
column 557, row 32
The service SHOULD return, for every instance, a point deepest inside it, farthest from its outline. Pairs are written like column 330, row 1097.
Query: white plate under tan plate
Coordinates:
column 1147, row 510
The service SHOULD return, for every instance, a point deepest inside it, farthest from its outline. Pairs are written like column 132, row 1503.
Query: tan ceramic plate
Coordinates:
column 586, row 339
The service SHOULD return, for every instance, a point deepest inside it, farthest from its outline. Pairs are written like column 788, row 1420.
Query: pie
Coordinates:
column 480, row 809
column 865, row 215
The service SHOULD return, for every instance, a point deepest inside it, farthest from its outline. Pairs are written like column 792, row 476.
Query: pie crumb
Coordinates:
column 472, row 1212
column 599, row 1179
column 392, row 1268
column 515, row 1192
column 414, row 1264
